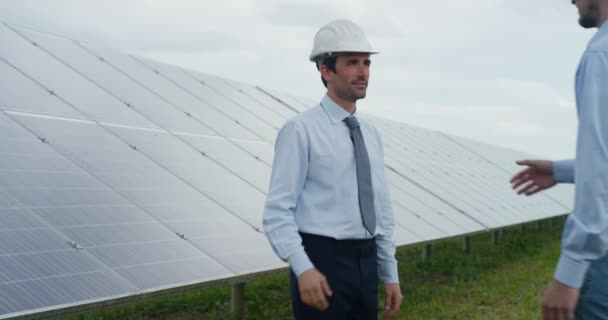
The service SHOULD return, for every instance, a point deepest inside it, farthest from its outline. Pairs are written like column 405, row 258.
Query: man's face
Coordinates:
column 588, row 12
column 349, row 82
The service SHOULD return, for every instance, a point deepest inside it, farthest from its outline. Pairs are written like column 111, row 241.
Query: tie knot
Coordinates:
column 351, row 122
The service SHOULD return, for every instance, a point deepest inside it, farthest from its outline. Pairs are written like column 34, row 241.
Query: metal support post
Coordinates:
column 238, row 300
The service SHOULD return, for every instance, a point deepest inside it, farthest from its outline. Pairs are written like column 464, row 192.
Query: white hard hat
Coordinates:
column 339, row 36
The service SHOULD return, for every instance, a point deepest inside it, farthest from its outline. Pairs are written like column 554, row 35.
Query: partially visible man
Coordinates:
column 580, row 285
column 328, row 212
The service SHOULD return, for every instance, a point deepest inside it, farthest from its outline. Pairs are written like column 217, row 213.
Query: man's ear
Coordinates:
column 326, row 73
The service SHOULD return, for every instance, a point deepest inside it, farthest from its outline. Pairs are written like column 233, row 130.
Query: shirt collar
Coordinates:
column 335, row 113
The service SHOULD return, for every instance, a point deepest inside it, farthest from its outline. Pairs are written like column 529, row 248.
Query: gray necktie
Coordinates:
column 364, row 176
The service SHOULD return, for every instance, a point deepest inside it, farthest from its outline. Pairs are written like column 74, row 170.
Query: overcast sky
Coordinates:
column 499, row 71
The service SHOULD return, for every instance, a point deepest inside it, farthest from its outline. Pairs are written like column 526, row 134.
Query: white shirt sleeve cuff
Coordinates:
column 570, row 272
column 388, row 272
column 299, row 262
column 563, row 171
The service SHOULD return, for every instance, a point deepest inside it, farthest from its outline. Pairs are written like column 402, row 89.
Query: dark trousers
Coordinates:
column 351, row 269
column 593, row 302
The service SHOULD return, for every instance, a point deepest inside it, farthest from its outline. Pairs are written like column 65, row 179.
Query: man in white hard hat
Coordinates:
column 328, row 212
column 580, row 285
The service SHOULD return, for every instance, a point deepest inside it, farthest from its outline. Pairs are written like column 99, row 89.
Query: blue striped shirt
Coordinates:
column 585, row 237
column 313, row 188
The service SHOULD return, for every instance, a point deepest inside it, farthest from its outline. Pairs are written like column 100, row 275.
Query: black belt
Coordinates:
column 346, row 243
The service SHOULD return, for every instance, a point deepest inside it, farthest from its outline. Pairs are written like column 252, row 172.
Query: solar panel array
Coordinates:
column 121, row 176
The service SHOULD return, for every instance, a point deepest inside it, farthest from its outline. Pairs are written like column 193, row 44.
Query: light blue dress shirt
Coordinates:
column 313, row 188
column 585, row 237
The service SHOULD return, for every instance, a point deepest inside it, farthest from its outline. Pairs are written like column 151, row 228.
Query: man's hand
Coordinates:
column 560, row 302
column 536, row 177
column 314, row 289
column 392, row 300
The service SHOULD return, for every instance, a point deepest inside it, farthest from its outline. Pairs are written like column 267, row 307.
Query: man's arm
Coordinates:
column 387, row 264
column 585, row 237
column 289, row 171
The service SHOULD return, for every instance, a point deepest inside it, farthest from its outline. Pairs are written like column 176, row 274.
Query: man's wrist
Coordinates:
column 300, row 263
column 571, row 273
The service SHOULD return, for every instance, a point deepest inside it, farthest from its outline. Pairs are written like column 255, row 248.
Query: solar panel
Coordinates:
column 117, row 84
column 505, row 159
column 22, row 94
column 69, row 86
column 263, row 113
column 286, row 98
column 465, row 180
column 262, row 150
column 211, row 99
column 233, row 158
column 284, row 110
column 39, row 265
column 408, row 195
column 234, row 193
column 140, row 248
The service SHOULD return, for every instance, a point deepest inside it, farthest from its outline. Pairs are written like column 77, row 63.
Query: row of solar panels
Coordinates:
column 121, row 176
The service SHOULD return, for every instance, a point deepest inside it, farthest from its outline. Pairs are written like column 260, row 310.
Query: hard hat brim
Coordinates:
column 314, row 57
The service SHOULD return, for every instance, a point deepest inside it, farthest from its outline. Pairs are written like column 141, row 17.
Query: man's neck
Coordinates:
column 603, row 14
column 349, row 106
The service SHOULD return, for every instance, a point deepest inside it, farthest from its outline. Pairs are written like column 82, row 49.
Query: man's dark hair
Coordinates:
column 330, row 62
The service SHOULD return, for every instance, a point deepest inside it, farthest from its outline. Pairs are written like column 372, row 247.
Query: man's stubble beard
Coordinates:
column 589, row 19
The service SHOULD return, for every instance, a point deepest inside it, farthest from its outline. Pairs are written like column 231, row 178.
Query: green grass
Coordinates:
column 503, row 281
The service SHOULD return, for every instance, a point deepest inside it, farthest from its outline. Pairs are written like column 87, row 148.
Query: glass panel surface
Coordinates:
column 117, row 83
column 261, row 98
column 159, row 78
column 84, row 209
column 234, row 158
column 64, row 82
column 232, row 192
column 22, row 94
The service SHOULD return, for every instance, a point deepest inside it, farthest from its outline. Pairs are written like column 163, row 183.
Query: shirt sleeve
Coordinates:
column 387, row 264
column 563, row 171
column 289, row 171
column 585, row 237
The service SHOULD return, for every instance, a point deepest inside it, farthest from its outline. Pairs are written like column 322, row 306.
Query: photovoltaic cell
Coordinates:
column 446, row 218
column 232, row 192
column 38, row 266
column 22, row 94
column 263, row 150
column 89, row 99
column 282, row 109
column 247, row 104
column 505, row 159
column 117, row 84
column 452, row 171
column 182, row 89
column 168, row 91
column 160, row 194
column 286, row 98
column 213, row 100
column 233, row 157
column 106, row 237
